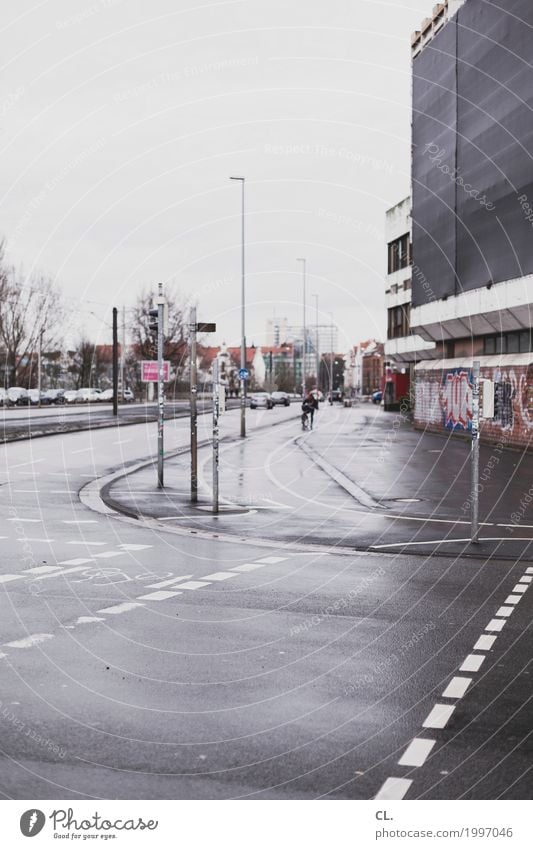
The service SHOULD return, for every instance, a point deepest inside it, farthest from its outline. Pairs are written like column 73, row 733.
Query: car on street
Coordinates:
column 17, row 396
column 3, row 397
column 128, row 395
column 88, row 395
column 70, row 396
column 377, row 397
column 55, row 396
column 261, row 399
column 34, row 397
column 337, row 395
column 106, row 395
column 282, row 399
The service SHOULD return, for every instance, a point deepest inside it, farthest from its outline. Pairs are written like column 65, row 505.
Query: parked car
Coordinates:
column 18, row 396
column 55, row 396
column 128, row 395
column 337, row 395
column 106, row 395
column 377, row 397
column 87, row 395
column 261, row 399
column 3, row 397
column 70, row 396
column 34, row 397
column 281, row 399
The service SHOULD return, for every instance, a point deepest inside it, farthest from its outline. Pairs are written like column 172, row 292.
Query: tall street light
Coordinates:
column 243, row 317
column 304, row 346
column 317, row 351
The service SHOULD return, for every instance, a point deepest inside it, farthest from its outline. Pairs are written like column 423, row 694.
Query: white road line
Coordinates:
column 105, row 555
column 472, row 663
column 417, row 752
column 457, row 688
column 24, row 520
column 32, row 539
column 122, row 441
column 79, row 521
column 525, row 580
column 248, row 567
column 63, row 492
column 495, row 625
column 394, row 788
column 76, row 561
column 485, row 642
column 513, row 599
column 86, row 620
column 529, row 571
column 161, row 595
column 520, row 588
column 425, row 542
column 168, row 583
column 61, row 572
column 438, row 716
column 271, row 559
column 192, row 585
column 220, row 576
column 133, row 546
column 82, row 450
column 28, row 642
column 83, row 542
column 121, row 608
column 4, row 579
column 504, row 611
column 42, row 570
column 29, row 463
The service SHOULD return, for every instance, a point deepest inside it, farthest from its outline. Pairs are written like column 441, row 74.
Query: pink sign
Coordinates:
column 149, row 371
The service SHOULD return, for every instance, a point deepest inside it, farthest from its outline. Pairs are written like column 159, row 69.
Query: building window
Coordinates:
column 398, row 318
column 519, row 342
column 399, row 253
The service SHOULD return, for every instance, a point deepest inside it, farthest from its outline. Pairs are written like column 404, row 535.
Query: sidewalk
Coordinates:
column 363, row 479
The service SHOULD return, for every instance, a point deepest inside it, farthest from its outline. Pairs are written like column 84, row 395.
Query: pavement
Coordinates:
column 362, row 479
column 139, row 661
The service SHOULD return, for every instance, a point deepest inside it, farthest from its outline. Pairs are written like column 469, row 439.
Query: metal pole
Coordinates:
column 123, row 352
column 304, row 347
column 317, row 344
column 115, row 362
column 474, row 537
column 216, row 402
column 39, row 364
column 194, row 409
column 160, row 391
column 331, row 357
column 243, row 312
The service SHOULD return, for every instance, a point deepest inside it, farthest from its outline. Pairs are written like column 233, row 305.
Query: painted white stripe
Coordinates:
column 28, row 463
column 271, row 559
column 86, row 620
column 76, row 561
column 439, row 716
column 28, row 642
column 220, row 576
column 192, row 585
column 520, row 588
column 61, row 572
column 133, row 546
column 79, row 521
column 457, row 688
column 504, row 611
column 84, row 542
column 525, row 580
column 63, row 492
column 82, row 450
column 122, row 441
column 495, row 625
column 513, row 599
column 485, row 643
column 417, row 752
column 159, row 595
column 32, row 539
column 4, row 579
column 42, row 570
column 426, row 542
column 169, row 582
column 105, row 555
column 248, row 567
column 529, row 571
column 121, row 608
column 472, row 663
column 24, row 520
column 394, row 788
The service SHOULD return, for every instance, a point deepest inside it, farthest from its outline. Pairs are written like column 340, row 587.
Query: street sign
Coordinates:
column 149, row 371
column 206, row 327
column 244, row 374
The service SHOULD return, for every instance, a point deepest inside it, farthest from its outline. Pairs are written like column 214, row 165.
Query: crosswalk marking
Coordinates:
column 159, row 595
column 192, row 585
column 271, row 560
column 76, row 561
column 169, row 582
column 121, row 608
column 248, row 567
column 220, row 576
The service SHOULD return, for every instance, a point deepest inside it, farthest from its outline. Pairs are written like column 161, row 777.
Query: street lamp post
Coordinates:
column 332, row 357
column 243, row 315
column 317, row 351
column 304, row 346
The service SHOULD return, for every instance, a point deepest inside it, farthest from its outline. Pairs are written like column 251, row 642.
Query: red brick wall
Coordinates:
column 443, row 403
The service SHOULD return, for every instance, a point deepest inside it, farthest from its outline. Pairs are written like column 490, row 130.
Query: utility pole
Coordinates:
column 123, row 352
column 216, row 410
column 115, row 361
column 474, row 535
column 243, row 314
column 160, row 387
column 304, row 347
column 331, row 357
column 317, row 352
column 194, row 407
column 39, row 363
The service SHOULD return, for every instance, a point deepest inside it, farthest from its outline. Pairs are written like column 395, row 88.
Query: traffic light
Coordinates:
column 153, row 323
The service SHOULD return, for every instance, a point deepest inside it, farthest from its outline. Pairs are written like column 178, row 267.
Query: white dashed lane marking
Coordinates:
column 82, row 542
column 28, row 642
column 439, row 716
column 192, row 585
column 520, row 588
column 42, row 570
column 271, row 560
column 417, row 752
column 513, row 599
column 121, row 608
column 60, row 573
column 12, row 519
column 76, row 561
column 394, row 788
column 472, row 663
column 248, row 567
column 159, row 595
column 79, row 521
column 169, row 582
column 504, row 611
column 220, row 576
column 457, row 688
column 485, row 642
column 4, row 579
column 105, row 555
column 495, row 625
column 127, row 546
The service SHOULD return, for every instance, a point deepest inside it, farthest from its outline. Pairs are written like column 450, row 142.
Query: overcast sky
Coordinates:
column 122, row 121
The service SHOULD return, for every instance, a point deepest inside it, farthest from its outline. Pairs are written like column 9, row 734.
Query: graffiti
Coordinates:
column 524, row 393
column 457, row 400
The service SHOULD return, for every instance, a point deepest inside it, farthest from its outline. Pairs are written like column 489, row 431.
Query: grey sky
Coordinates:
column 122, row 121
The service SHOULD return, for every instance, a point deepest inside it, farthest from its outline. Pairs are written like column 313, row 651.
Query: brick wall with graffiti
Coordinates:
column 443, row 398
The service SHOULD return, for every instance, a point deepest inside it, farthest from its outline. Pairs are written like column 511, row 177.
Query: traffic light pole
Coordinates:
column 216, row 434
column 115, row 362
column 160, row 390
column 194, row 408
column 474, row 534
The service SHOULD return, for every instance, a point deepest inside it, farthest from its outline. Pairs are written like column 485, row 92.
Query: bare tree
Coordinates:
column 144, row 346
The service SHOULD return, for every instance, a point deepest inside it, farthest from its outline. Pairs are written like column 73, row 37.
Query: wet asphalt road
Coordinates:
column 142, row 663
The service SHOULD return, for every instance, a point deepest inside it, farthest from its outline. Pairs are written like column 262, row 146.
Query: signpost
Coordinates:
column 216, row 410
column 150, row 371
column 161, row 305
column 244, row 374
column 474, row 451
column 194, row 328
